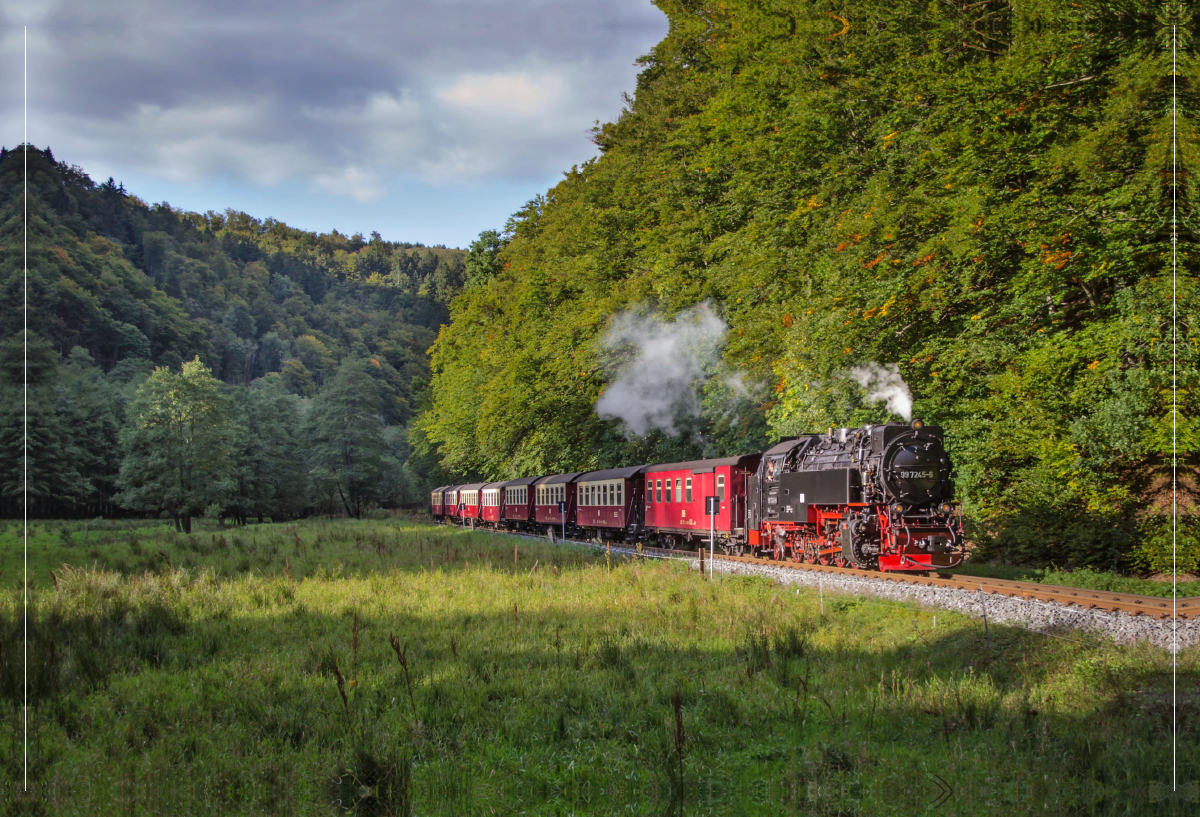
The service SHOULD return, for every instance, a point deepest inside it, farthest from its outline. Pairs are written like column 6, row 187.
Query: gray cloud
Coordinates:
column 343, row 95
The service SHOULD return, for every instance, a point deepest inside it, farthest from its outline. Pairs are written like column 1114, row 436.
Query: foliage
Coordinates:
column 119, row 286
column 271, row 471
column 33, row 435
column 981, row 193
column 347, row 449
column 483, row 258
column 177, row 443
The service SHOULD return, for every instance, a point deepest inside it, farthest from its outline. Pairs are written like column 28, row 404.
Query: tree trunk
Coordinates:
column 178, row 527
column 345, row 503
column 187, row 523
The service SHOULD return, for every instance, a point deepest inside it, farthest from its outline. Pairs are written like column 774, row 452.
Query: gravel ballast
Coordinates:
column 1039, row 616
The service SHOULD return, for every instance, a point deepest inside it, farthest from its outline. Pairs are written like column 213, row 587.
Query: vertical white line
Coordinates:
column 25, row 416
column 1174, row 411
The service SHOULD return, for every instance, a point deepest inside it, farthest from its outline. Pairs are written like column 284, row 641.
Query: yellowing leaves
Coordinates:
column 881, row 311
column 1057, row 259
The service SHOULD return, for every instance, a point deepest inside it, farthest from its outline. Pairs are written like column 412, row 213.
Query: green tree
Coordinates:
column 348, row 455
column 177, row 442
column 89, row 406
column 269, row 475
column 483, row 258
column 31, row 427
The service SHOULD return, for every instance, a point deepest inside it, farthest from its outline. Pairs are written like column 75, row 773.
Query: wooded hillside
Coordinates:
column 117, row 287
column 981, row 193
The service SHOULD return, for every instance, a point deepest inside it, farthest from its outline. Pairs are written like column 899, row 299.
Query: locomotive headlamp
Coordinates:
column 945, row 507
column 917, row 424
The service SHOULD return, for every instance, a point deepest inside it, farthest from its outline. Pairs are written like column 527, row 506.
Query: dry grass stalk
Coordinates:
column 341, row 682
column 354, row 643
column 402, row 657
column 680, row 736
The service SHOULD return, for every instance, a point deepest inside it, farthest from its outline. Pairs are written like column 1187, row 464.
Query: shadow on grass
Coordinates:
column 568, row 705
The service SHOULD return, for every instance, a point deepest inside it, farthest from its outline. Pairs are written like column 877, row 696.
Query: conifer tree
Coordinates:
column 348, row 454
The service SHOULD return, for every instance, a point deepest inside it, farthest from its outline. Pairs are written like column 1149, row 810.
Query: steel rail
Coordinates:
column 1156, row 606
column 1103, row 600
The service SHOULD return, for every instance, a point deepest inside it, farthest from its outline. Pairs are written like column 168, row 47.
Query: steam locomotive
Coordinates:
column 878, row 497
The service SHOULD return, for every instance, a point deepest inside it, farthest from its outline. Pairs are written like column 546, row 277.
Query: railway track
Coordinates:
column 1152, row 606
column 1155, row 606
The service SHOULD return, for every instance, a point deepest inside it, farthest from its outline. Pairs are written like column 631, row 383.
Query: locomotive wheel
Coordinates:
column 839, row 561
column 823, row 560
column 777, row 552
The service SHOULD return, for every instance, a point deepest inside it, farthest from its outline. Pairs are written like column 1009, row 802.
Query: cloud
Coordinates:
column 362, row 185
column 506, row 94
column 343, row 96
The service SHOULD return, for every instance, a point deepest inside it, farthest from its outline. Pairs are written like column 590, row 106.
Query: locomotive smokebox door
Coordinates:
column 916, row 469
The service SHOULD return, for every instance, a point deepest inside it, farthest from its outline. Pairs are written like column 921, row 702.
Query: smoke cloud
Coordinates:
column 658, row 385
column 885, row 383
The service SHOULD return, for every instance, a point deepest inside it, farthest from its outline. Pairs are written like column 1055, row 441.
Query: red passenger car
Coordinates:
column 491, row 508
column 468, row 502
column 675, row 492
column 610, row 502
column 551, row 493
column 450, row 502
column 519, row 497
column 435, row 502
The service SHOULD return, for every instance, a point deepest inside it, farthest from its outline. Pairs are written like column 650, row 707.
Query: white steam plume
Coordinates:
column 658, row 384
column 885, row 383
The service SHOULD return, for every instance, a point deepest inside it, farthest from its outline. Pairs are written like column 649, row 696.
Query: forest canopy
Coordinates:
column 271, row 314
column 980, row 194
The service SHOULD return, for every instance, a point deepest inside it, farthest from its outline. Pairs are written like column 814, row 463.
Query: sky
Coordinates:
column 425, row 120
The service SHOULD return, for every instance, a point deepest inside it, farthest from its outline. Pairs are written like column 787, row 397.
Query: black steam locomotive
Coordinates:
column 877, row 496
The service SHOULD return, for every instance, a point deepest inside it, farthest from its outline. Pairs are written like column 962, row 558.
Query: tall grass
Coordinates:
column 389, row 668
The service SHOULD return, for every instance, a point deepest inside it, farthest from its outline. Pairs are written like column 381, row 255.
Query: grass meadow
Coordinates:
column 391, row 667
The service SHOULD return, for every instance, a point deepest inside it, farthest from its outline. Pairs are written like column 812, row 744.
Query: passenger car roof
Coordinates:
column 612, row 473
